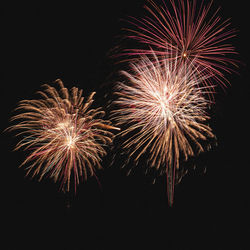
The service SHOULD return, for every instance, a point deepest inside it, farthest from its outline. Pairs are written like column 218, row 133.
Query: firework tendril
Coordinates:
column 62, row 134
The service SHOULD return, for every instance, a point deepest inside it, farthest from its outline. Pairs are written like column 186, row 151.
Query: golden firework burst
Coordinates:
column 63, row 134
column 162, row 108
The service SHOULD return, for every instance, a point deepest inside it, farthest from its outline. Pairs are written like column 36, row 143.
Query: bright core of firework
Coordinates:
column 163, row 111
column 62, row 134
column 68, row 132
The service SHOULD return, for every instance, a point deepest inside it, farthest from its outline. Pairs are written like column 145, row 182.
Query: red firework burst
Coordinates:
column 188, row 31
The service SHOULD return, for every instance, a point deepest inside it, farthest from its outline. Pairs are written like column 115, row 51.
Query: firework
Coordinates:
column 189, row 32
column 63, row 135
column 163, row 111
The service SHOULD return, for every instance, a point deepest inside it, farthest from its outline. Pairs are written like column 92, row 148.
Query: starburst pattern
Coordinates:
column 63, row 134
column 163, row 111
column 189, row 31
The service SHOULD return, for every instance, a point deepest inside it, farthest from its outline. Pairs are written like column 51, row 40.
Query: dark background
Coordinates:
column 43, row 42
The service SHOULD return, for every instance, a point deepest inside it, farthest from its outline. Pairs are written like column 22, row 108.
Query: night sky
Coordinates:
column 43, row 42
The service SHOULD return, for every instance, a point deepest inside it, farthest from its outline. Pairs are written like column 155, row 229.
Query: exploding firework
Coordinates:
column 189, row 32
column 63, row 135
column 163, row 112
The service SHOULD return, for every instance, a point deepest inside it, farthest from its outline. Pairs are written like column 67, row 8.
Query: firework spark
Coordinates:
column 189, row 32
column 63, row 134
column 164, row 114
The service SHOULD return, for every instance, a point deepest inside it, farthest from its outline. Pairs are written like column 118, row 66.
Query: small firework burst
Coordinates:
column 63, row 135
column 163, row 112
column 189, row 31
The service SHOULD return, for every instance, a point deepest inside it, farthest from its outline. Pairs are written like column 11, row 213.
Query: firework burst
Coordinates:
column 63, row 135
column 164, row 114
column 190, row 32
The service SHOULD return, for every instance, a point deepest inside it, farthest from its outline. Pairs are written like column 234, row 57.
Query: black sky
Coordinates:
column 42, row 42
